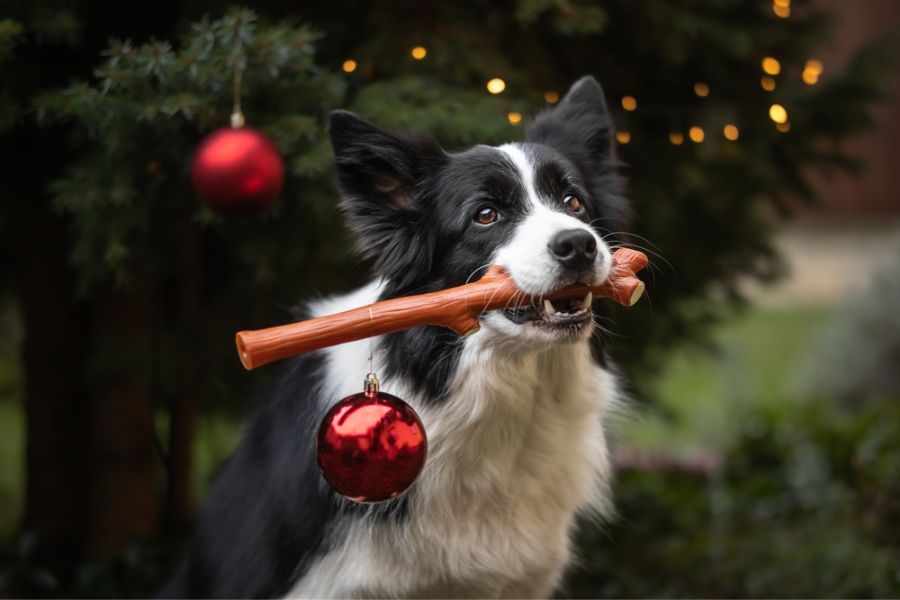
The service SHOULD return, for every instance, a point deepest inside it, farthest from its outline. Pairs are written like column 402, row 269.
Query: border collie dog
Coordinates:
column 514, row 412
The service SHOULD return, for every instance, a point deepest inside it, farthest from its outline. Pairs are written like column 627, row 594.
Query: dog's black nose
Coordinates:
column 574, row 248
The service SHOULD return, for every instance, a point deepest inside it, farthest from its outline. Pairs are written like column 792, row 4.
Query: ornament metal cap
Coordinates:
column 372, row 385
column 237, row 119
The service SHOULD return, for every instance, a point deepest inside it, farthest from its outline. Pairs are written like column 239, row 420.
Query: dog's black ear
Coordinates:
column 380, row 175
column 581, row 129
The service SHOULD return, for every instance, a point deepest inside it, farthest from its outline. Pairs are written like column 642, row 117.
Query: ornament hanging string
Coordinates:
column 237, row 117
column 371, row 342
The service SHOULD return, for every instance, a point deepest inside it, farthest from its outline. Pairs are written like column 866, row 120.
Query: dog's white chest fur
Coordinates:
column 515, row 451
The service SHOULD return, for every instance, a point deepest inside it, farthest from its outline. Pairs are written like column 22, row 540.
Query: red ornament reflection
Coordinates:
column 371, row 446
column 237, row 171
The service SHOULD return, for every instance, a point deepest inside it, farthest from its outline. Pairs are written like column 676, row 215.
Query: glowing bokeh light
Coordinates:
column 496, row 85
column 778, row 113
column 771, row 66
column 349, row 66
column 551, row 97
column 629, row 103
column 811, row 71
column 676, row 138
column 623, row 137
column 701, row 89
column 731, row 132
column 514, row 118
column 767, row 83
column 419, row 52
column 696, row 134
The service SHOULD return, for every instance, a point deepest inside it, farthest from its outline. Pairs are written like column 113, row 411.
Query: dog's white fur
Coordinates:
column 516, row 451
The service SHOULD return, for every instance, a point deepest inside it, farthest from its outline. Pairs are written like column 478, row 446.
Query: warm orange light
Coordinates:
column 629, row 103
column 696, row 134
column 771, row 66
column 767, row 83
column 781, row 2
column 701, row 89
column 514, row 118
column 419, row 52
column 783, row 127
column 496, row 85
column 551, row 97
column 811, row 71
column 349, row 66
column 623, row 137
column 731, row 132
column 783, row 11
column 676, row 138
column 778, row 113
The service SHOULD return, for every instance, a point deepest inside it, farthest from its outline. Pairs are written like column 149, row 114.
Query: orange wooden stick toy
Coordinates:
column 455, row 308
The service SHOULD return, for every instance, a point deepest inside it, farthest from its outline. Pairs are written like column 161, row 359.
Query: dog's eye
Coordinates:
column 573, row 203
column 486, row 214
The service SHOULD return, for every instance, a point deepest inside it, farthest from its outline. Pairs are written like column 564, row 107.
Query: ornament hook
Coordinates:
column 372, row 385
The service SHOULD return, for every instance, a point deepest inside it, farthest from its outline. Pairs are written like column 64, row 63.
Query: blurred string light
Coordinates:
column 811, row 71
column 778, row 113
column 771, row 66
column 782, row 8
column 496, row 85
column 349, row 66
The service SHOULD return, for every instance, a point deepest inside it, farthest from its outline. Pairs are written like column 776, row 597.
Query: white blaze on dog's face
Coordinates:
column 552, row 246
column 431, row 219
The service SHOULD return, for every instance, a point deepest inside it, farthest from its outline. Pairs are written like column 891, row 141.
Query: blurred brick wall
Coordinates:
column 877, row 190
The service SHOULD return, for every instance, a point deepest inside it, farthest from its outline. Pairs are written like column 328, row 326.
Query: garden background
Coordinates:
column 762, row 453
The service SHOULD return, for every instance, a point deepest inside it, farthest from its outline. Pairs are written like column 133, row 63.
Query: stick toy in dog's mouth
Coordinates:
column 456, row 308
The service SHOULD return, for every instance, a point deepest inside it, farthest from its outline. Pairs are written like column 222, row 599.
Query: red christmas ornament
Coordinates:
column 237, row 170
column 371, row 446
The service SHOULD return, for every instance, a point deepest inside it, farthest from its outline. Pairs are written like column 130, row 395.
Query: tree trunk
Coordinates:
column 184, row 403
column 122, row 494
column 53, row 357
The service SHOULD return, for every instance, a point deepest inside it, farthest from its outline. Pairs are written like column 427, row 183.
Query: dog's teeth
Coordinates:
column 548, row 308
column 586, row 303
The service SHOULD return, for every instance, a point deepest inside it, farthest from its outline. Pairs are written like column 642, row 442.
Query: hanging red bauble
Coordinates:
column 237, row 170
column 371, row 446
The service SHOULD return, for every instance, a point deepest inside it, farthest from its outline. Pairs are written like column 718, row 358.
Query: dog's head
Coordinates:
column 431, row 219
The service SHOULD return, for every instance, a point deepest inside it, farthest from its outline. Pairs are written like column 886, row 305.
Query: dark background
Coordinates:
column 763, row 453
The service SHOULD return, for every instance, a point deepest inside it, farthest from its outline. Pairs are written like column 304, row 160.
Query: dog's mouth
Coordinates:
column 569, row 314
